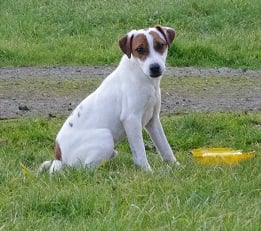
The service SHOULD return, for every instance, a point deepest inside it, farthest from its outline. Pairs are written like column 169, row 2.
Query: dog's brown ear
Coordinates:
column 167, row 32
column 126, row 45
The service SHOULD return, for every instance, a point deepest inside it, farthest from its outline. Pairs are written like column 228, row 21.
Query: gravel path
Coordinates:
column 48, row 91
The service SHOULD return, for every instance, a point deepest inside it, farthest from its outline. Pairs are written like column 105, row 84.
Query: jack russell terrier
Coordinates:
column 127, row 101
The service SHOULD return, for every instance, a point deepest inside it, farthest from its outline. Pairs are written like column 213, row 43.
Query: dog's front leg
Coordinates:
column 155, row 130
column 133, row 129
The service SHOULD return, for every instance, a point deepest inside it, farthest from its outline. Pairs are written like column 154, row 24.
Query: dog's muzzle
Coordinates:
column 155, row 70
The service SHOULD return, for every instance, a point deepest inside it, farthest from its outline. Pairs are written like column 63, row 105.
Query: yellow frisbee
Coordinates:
column 219, row 155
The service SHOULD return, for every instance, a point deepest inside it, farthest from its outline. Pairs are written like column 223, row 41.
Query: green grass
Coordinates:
column 117, row 196
column 209, row 33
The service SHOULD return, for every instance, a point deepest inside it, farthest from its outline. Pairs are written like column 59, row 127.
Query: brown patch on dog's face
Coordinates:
column 140, row 47
column 168, row 33
column 159, row 44
column 57, row 151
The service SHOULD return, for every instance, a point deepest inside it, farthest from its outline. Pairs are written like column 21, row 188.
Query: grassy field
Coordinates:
column 54, row 32
column 117, row 196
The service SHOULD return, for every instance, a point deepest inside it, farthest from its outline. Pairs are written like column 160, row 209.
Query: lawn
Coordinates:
column 54, row 32
column 118, row 196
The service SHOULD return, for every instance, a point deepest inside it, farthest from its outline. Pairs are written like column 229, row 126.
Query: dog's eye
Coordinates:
column 160, row 46
column 140, row 50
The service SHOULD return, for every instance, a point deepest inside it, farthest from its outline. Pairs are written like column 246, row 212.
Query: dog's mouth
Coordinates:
column 155, row 75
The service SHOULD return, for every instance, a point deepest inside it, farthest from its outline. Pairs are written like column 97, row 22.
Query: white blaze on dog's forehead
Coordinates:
column 145, row 32
column 148, row 31
column 132, row 33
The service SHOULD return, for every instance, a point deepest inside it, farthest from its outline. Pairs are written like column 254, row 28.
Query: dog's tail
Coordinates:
column 52, row 165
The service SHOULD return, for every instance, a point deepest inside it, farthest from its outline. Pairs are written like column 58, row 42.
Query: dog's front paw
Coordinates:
column 146, row 168
column 173, row 161
column 149, row 169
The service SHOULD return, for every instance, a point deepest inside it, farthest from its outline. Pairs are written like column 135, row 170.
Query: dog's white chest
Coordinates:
column 152, row 103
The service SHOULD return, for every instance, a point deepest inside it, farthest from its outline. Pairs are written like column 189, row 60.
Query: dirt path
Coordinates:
column 48, row 91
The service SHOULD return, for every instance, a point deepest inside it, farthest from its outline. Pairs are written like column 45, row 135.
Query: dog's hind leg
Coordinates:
column 100, row 149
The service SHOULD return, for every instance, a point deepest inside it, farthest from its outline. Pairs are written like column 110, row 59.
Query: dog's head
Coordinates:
column 148, row 47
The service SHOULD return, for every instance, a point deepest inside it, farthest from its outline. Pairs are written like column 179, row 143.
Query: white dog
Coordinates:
column 127, row 101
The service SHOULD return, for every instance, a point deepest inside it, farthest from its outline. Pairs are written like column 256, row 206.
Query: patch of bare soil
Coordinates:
column 49, row 91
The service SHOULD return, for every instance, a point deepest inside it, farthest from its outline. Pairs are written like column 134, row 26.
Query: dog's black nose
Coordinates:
column 155, row 70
